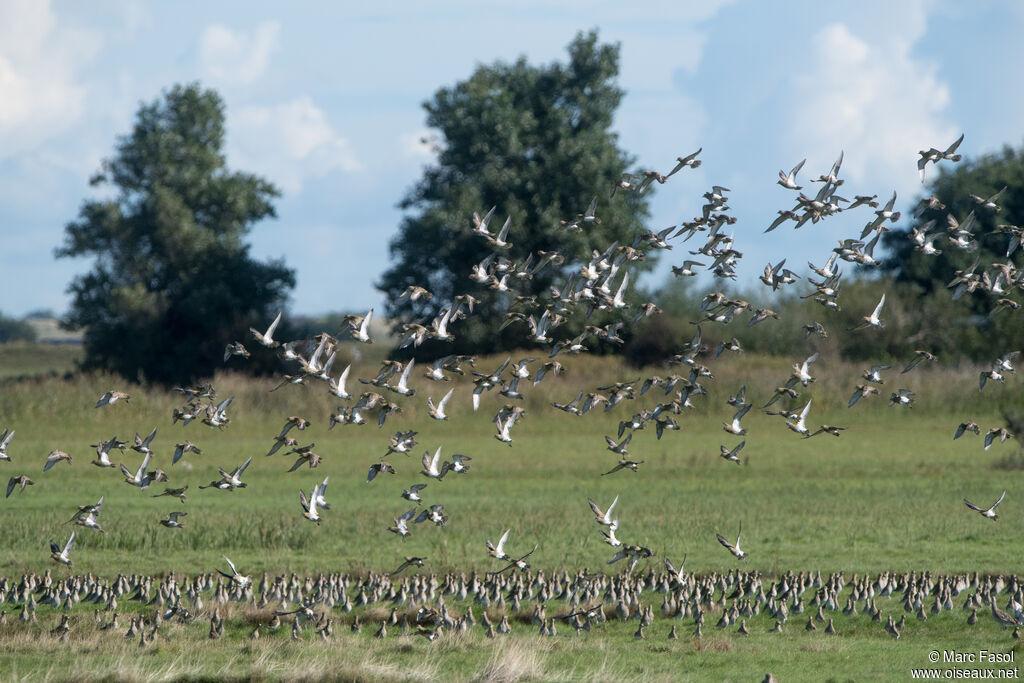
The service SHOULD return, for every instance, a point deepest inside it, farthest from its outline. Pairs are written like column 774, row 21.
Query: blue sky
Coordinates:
column 324, row 99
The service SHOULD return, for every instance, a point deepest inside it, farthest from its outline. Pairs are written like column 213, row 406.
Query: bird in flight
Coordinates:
column 235, row 577
column 990, row 511
column 267, row 338
column 63, row 556
column 732, row 455
column 112, row 397
column 603, row 517
column 733, row 548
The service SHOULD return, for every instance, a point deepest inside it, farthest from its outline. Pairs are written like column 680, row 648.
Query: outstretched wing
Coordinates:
column 856, row 397
column 142, row 468
column 608, row 513
column 273, row 326
column 878, row 308
column 973, row 506
column 444, row 401
column 501, row 542
column 670, row 567
column 535, row 546
column 242, row 468
column 952, row 148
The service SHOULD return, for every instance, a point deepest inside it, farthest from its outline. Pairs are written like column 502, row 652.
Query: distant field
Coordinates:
column 886, row 495
column 20, row 359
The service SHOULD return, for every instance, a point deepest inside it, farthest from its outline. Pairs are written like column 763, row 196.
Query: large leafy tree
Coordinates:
column 535, row 142
column 976, row 324
column 172, row 280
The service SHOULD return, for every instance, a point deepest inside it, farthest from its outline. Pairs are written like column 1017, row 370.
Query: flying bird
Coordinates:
column 873, row 320
column 172, row 521
column 733, row 548
column 235, row 577
column 5, row 441
column 18, row 482
column 990, row 511
column 267, row 338
column 498, row 551
column 55, row 457
column 112, row 397
column 788, row 180
column 62, row 556
column 734, row 427
column 732, row 455
column 623, row 464
column 603, row 517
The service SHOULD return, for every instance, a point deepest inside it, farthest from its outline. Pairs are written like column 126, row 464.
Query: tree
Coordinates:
column 12, row 329
column 970, row 324
column 172, row 281
column 534, row 142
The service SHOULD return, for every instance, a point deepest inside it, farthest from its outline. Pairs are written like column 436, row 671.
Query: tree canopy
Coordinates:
column 535, row 142
column 172, row 280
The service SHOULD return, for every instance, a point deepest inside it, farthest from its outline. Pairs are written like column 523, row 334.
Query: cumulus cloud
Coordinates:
column 288, row 143
column 40, row 95
column 870, row 95
column 237, row 57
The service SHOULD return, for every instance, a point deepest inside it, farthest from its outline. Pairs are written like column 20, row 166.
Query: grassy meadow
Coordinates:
column 886, row 495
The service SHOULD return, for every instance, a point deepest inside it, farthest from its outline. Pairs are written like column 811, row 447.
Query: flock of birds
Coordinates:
column 497, row 603
column 599, row 284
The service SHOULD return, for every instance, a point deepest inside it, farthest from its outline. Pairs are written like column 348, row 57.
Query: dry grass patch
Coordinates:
column 515, row 659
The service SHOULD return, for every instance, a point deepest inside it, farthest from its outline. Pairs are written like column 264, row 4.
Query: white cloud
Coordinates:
column 237, row 57
column 40, row 95
column 288, row 143
column 867, row 94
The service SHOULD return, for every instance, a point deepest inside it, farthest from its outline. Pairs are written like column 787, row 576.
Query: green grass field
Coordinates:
column 887, row 495
column 22, row 359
